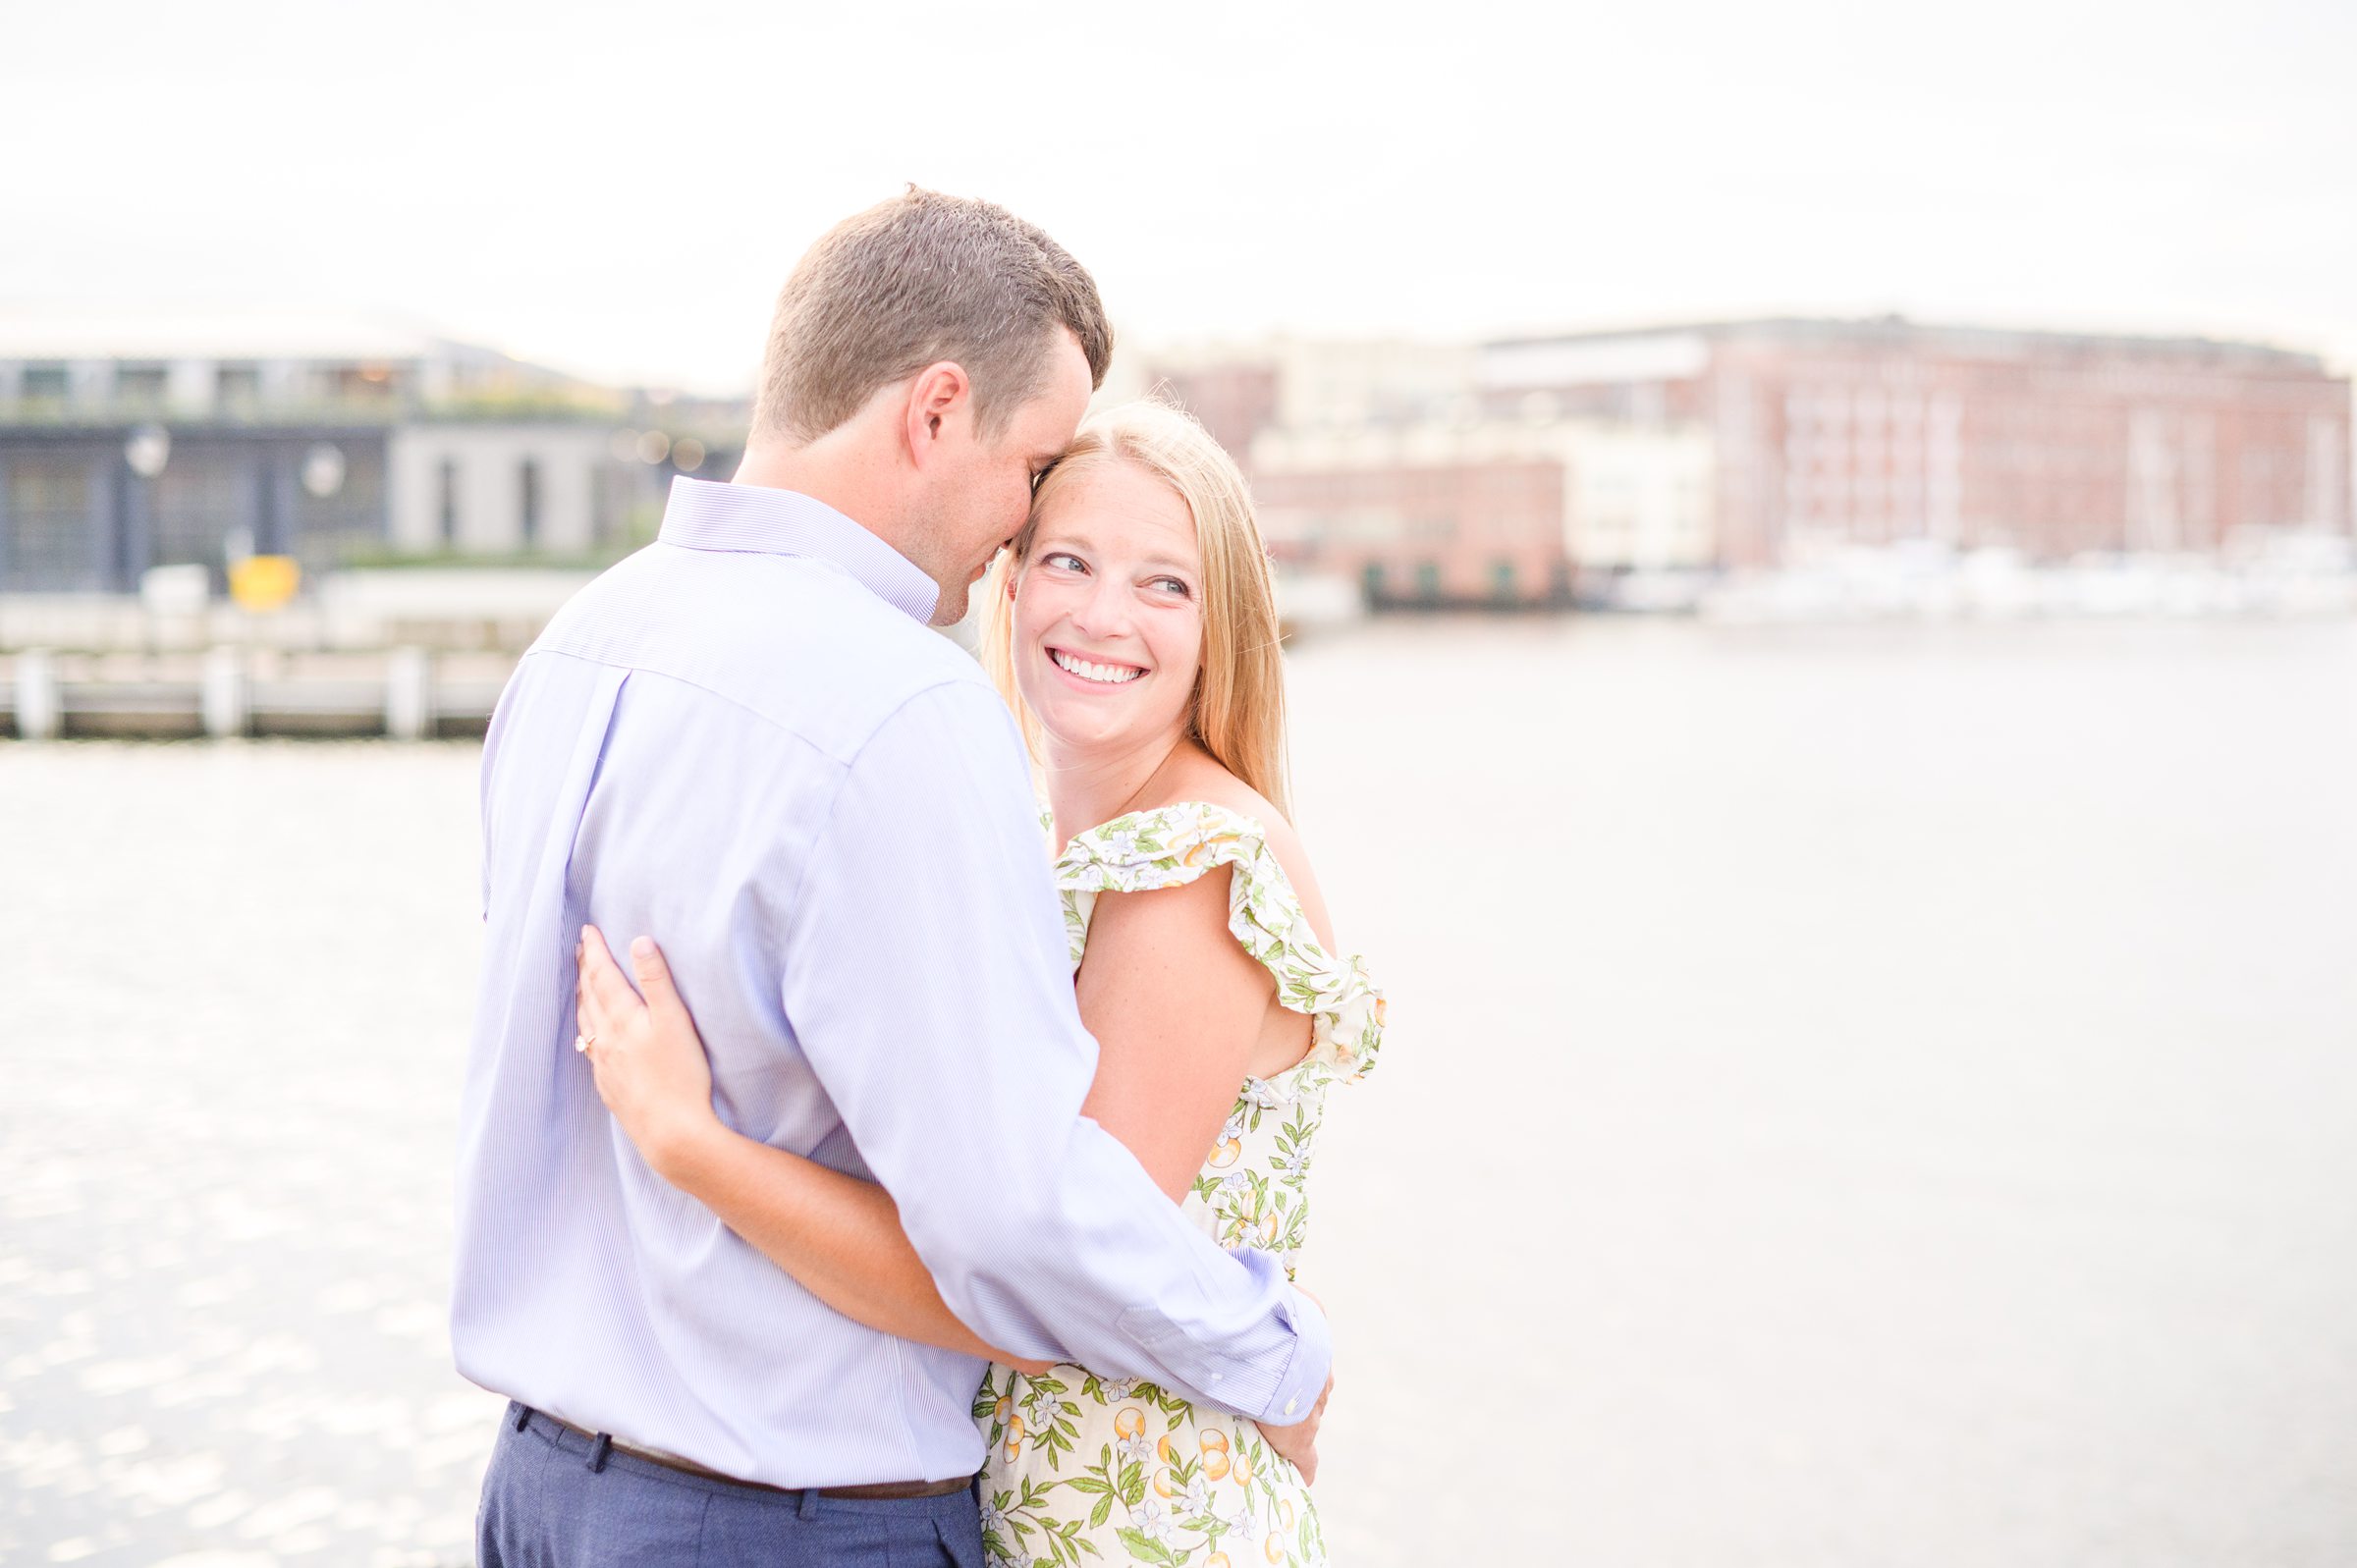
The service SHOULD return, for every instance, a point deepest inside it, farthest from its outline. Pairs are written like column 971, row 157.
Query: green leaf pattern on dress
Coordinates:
column 1115, row 1470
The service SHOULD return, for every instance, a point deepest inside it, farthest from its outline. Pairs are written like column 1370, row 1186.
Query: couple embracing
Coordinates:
column 930, row 1194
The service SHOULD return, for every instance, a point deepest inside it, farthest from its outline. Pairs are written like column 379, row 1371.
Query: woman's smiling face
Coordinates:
column 1108, row 608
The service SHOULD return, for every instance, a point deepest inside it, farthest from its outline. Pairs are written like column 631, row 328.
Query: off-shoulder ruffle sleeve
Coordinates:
column 1171, row 846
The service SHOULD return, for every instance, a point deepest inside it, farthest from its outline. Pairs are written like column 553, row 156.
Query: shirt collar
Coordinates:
column 703, row 514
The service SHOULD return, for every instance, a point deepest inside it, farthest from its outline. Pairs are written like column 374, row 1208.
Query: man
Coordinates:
column 744, row 737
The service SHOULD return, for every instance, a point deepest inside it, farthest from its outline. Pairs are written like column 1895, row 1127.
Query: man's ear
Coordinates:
column 938, row 397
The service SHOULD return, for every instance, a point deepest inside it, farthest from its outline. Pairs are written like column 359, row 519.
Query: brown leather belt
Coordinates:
column 874, row 1492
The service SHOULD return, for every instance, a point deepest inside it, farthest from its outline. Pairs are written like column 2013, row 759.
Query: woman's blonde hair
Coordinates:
column 1238, row 710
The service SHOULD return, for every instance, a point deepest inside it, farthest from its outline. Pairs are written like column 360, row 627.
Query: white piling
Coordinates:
column 409, row 694
column 224, row 700
column 40, row 701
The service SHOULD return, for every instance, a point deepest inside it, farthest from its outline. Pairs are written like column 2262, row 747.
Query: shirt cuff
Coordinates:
column 1304, row 1375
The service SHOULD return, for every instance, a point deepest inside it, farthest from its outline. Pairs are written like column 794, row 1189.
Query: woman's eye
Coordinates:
column 1172, row 585
column 1062, row 562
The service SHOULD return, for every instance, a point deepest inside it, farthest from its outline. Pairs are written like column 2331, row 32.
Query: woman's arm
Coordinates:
column 1175, row 1005
column 838, row 1235
column 1174, row 1002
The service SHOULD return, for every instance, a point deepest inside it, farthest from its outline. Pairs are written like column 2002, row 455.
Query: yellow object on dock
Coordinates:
column 264, row 582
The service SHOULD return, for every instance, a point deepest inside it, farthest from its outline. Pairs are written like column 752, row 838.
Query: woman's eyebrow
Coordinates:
column 1074, row 539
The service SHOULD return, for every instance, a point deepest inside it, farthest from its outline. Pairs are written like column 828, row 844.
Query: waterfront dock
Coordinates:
column 402, row 693
column 409, row 655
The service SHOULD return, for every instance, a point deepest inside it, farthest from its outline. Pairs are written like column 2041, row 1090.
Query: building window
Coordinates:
column 46, row 383
column 528, row 503
column 322, row 529
column 1428, row 580
column 140, row 386
column 367, row 383
column 1501, row 582
column 199, row 499
column 53, row 537
column 450, row 502
column 237, row 388
column 1370, row 581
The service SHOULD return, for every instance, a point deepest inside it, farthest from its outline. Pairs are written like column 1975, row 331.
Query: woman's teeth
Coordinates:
column 1111, row 674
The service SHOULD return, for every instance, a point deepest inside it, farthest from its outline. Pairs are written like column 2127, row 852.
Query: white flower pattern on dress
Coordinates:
column 1111, row 1470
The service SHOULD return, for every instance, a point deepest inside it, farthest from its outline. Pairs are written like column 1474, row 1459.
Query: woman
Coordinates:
column 1133, row 629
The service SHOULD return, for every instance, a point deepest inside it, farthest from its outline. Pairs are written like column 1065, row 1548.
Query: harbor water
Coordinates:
column 1857, row 1094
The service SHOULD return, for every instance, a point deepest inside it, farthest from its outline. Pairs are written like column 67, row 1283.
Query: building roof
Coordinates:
column 223, row 335
column 1894, row 330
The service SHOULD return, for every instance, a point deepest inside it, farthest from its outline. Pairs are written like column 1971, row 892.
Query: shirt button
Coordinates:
column 1215, row 1376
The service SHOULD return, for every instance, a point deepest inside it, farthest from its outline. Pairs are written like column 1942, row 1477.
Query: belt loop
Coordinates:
column 598, row 1451
column 809, row 1503
column 524, row 1415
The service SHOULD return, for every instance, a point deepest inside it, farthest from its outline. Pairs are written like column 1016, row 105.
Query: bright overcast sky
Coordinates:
column 619, row 190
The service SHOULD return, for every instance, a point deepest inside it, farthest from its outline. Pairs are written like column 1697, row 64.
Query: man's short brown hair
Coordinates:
column 913, row 281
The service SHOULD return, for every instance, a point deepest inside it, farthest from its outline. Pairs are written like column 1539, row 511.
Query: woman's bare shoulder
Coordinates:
column 1203, row 779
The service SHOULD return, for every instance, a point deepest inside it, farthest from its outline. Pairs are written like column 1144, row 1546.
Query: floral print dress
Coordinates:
column 1115, row 1471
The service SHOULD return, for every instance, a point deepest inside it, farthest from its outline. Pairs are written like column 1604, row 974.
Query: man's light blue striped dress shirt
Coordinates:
column 744, row 741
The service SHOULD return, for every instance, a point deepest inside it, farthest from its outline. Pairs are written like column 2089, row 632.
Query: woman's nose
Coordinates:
column 1105, row 611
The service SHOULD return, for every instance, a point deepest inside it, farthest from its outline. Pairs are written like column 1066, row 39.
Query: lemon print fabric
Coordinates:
column 1096, row 1470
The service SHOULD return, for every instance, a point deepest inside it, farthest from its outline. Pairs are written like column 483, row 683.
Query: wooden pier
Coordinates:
column 402, row 693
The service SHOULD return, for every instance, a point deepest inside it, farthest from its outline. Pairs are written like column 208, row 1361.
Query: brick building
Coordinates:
column 1871, row 432
column 1498, row 513
column 1305, row 385
column 1540, row 470
column 1234, row 401
column 1368, row 465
